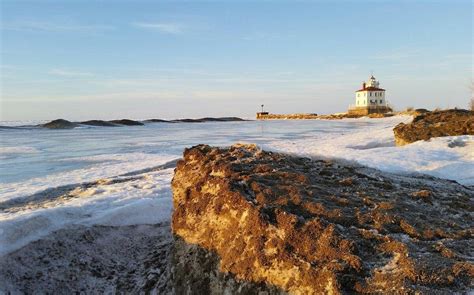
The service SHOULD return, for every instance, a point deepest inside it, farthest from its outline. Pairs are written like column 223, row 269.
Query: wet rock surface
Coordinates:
column 309, row 226
column 435, row 124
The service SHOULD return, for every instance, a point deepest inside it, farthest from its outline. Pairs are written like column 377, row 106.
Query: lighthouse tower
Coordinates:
column 370, row 99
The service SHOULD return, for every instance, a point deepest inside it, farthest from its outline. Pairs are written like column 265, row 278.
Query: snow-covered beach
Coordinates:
column 51, row 179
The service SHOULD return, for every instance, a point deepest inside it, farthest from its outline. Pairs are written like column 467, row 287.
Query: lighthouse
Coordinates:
column 369, row 99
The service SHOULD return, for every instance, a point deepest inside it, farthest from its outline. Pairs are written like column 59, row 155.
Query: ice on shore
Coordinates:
column 97, row 167
column 449, row 157
column 116, row 201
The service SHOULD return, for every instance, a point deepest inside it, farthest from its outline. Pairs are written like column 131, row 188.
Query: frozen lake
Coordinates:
column 121, row 175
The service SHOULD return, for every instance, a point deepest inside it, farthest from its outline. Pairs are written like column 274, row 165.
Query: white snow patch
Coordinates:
column 375, row 147
column 102, row 166
column 146, row 200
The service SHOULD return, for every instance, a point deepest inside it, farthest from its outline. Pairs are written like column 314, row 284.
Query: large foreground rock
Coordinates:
column 287, row 224
column 435, row 124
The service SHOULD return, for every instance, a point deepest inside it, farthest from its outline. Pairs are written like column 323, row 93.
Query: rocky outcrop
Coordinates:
column 435, row 124
column 65, row 124
column 208, row 119
column 59, row 124
column 303, row 226
column 158, row 121
column 99, row 123
column 267, row 116
column 412, row 112
column 337, row 116
column 200, row 120
column 127, row 122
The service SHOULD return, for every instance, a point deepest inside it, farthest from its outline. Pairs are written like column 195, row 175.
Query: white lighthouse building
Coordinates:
column 370, row 99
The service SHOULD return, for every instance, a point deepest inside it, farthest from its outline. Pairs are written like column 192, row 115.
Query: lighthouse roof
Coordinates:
column 370, row 88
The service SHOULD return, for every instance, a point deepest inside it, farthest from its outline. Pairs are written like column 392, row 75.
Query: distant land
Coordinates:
column 65, row 124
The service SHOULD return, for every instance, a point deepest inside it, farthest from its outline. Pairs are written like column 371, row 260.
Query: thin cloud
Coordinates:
column 70, row 74
column 34, row 26
column 168, row 28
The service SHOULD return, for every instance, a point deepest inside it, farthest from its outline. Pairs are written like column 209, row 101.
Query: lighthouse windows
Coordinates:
column 370, row 96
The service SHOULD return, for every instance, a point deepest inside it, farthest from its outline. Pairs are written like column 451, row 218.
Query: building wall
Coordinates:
column 363, row 98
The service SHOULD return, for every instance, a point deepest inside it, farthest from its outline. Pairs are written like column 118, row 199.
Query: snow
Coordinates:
column 53, row 179
column 375, row 147
column 100, row 166
column 136, row 200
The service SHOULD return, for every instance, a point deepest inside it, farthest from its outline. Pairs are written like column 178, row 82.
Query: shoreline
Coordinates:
column 66, row 124
column 58, row 260
column 336, row 116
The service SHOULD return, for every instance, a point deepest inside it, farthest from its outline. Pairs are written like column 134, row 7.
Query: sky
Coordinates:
column 89, row 59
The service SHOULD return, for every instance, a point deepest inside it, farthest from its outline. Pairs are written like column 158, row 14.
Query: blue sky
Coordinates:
column 174, row 59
